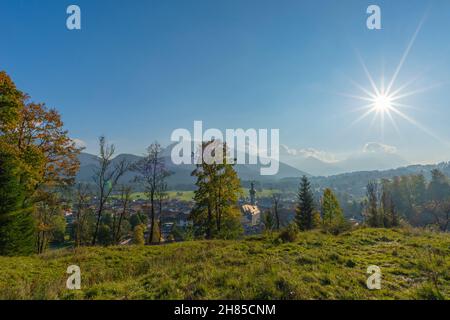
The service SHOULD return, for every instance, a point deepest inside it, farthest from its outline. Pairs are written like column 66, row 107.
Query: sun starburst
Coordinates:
column 384, row 102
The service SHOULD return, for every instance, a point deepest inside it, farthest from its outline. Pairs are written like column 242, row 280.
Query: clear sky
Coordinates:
column 140, row 69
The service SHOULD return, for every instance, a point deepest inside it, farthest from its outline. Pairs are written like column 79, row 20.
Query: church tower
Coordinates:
column 252, row 194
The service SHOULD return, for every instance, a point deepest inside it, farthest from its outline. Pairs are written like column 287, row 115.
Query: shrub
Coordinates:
column 337, row 227
column 290, row 233
column 350, row 263
column 138, row 236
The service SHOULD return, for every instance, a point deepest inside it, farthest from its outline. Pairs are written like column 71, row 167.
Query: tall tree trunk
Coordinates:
column 152, row 217
column 208, row 229
column 159, row 218
column 97, row 224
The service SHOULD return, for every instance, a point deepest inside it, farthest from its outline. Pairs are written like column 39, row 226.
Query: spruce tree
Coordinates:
column 16, row 221
column 305, row 206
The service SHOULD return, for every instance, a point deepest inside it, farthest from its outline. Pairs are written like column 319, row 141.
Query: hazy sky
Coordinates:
column 140, row 69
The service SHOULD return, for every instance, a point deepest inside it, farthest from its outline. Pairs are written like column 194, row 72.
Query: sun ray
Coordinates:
column 369, row 77
column 372, row 123
column 363, row 116
column 410, row 93
column 420, row 126
column 370, row 94
column 364, row 107
column 382, row 81
column 402, row 105
column 356, row 97
column 405, row 55
column 394, row 124
column 404, row 86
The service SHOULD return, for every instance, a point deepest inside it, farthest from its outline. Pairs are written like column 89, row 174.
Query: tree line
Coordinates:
column 409, row 199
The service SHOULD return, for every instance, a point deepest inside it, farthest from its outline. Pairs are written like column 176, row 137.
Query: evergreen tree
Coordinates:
column 16, row 174
column 16, row 221
column 305, row 206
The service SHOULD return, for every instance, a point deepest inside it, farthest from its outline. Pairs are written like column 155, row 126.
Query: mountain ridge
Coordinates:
column 352, row 182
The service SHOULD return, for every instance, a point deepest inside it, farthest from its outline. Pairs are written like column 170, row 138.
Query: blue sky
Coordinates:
column 140, row 69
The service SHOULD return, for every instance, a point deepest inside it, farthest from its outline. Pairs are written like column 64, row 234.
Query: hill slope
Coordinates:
column 316, row 266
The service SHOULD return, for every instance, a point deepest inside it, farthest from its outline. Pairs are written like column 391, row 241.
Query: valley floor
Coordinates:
column 414, row 265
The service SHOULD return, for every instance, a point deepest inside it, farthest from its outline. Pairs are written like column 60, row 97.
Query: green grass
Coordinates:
column 178, row 195
column 414, row 265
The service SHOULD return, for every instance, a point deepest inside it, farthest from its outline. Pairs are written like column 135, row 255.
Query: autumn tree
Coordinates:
column 440, row 213
column 215, row 212
column 125, row 192
column 138, row 235
column 83, row 214
column 161, row 197
column 331, row 209
column 372, row 214
column 38, row 146
column 438, row 204
column 269, row 221
column 388, row 212
column 152, row 175
column 439, row 187
column 316, row 220
column 276, row 199
column 106, row 177
column 332, row 213
column 51, row 223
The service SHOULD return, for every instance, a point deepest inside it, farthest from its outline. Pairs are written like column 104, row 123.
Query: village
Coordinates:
column 176, row 211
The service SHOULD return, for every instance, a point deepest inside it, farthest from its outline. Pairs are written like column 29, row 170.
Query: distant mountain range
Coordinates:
column 361, row 161
column 181, row 174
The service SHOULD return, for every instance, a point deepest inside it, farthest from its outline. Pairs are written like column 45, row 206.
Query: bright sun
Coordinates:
column 382, row 103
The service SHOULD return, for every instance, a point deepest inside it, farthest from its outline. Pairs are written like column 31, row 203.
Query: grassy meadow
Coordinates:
column 414, row 264
column 189, row 195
